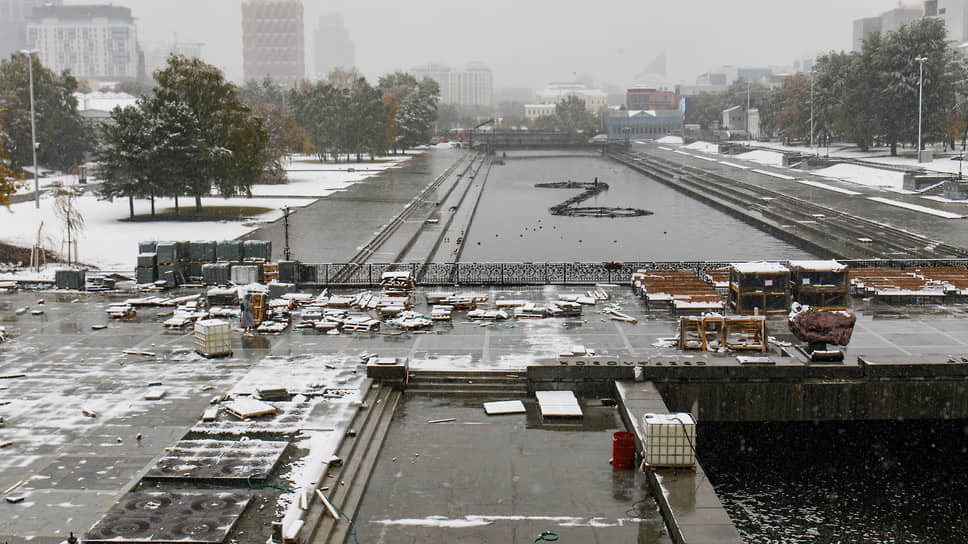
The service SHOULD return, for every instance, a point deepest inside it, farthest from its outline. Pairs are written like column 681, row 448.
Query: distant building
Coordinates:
column 272, row 41
column 533, row 111
column 889, row 21
column 471, row 87
column 642, row 125
column 13, row 23
column 334, row 48
column 754, row 123
column 156, row 53
column 639, row 98
column 595, row 100
column 954, row 13
column 95, row 41
column 97, row 106
column 734, row 118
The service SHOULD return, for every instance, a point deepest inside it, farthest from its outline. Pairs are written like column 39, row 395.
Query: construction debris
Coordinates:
column 245, row 407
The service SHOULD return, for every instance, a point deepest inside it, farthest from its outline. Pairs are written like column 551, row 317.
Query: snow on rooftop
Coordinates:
column 104, row 101
column 819, row 266
column 759, row 267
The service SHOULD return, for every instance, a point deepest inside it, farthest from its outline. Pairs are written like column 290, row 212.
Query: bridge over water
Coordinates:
column 503, row 140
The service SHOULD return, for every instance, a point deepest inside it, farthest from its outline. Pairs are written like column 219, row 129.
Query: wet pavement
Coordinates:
column 70, row 466
column 513, row 222
column 332, row 229
column 503, row 478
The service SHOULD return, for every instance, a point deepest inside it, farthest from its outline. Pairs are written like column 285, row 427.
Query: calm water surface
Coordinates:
column 513, row 222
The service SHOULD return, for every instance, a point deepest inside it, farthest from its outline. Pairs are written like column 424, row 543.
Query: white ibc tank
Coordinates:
column 670, row 440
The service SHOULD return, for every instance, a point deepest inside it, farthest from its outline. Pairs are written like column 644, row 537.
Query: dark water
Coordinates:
column 864, row 482
column 513, row 222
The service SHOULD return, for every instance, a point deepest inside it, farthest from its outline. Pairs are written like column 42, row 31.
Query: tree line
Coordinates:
column 867, row 97
column 195, row 134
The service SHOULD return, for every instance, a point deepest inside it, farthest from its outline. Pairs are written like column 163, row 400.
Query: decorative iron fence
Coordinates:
column 574, row 273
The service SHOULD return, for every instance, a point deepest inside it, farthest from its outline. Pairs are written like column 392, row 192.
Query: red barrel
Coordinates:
column 623, row 451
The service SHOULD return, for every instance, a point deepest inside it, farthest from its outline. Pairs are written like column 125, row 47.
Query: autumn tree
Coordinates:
column 63, row 137
column 8, row 178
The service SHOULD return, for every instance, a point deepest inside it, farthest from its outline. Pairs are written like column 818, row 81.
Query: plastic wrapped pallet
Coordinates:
column 182, row 251
column 147, row 247
column 147, row 260
column 229, row 250
column 244, row 275
column 670, row 440
column 147, row 274
column 276, row 289
column 167, row 252
column 213, row 337
column 70, row 278
column 288, row 271
column 201, row 251
column 216, row 273
column 257, row 249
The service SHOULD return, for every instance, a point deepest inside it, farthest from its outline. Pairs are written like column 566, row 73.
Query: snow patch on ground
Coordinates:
column 705, row 147
column 769, row 158
column 669, row 140
column 863, row 175
column 110, row 243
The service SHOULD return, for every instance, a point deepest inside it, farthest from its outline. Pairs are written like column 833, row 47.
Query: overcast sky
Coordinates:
column 528, row 43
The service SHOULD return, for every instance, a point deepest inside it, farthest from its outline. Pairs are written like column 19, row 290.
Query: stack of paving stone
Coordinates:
column 199, row 254
column 147, row 271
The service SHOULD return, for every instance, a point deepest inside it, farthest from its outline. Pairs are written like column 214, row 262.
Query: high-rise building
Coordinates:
column 889, row 21
column 272, row 40
column 471, row 87
column 954, row 13
column 96, row 41
column 13, row 23
column 334, row 48
column 156, row 53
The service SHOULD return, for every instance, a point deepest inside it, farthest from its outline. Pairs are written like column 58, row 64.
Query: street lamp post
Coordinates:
column 33, row 125
column 285, row 224
column 920, row 99
column 811, row 110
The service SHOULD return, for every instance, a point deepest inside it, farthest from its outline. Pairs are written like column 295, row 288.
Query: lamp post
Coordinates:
column 920, row 99
column 811, row 109
column 33, row 125
column 285, row 224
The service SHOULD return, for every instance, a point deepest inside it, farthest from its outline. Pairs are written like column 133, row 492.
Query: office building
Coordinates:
column 13, row 23
column 272, row 41
column 473, row 86
column 92, row 41
column 889, row 21
column 334, row 48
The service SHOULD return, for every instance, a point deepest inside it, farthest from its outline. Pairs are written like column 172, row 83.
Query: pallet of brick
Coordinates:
column 216, row 273
column 146, row 275
column 147, row 260
column 70, row 278
column 257, row 249
column 213, row 338
column 147, row 247
column 228, row 250
column 167, row 252
column 201, row 251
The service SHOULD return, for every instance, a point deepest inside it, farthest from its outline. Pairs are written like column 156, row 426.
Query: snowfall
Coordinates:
column 109, row 241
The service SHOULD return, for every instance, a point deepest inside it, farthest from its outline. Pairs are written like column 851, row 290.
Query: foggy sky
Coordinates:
column 528, row 43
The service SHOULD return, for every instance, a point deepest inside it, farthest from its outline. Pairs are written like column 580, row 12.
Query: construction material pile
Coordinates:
column 899, row 284
column 176, row 263
column 820, row 326
column 680, row 289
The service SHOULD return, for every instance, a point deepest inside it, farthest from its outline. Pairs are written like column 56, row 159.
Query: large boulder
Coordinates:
column 823, row 327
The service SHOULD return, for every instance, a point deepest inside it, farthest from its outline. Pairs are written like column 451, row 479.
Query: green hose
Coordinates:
column 546, row 536
column 273, row 482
